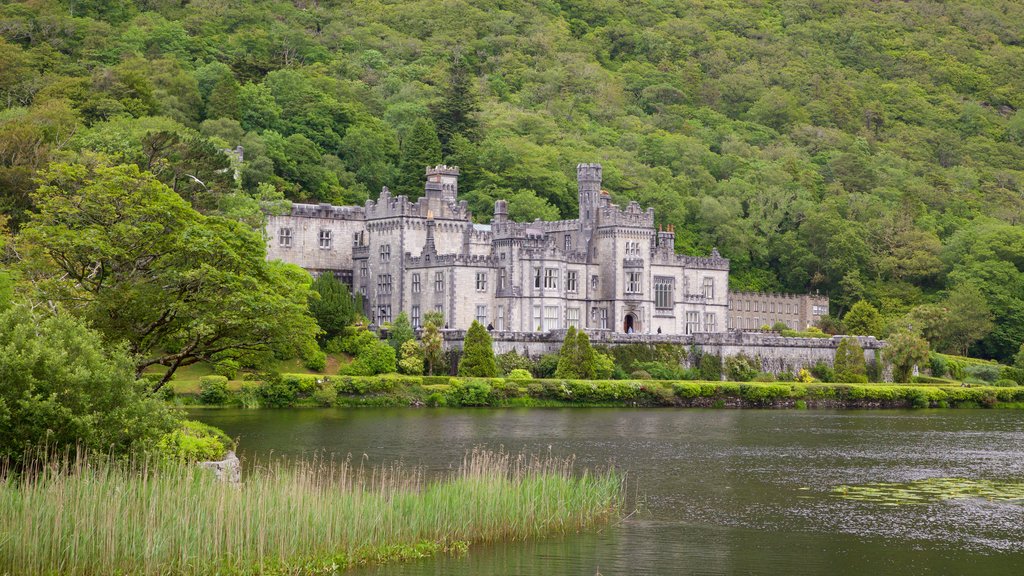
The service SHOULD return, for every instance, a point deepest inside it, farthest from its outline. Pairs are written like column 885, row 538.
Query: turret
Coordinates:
column 442, row 182
column 588, row 184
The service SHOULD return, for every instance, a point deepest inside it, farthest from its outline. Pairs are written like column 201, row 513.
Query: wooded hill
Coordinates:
column 870, row 150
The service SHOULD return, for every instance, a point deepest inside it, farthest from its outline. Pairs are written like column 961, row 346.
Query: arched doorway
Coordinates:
column 628, row 324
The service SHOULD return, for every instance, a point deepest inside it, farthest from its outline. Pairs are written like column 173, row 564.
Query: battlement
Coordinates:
column 778, row 296
column 471, row 260
column 328, row 211
column 633, row 215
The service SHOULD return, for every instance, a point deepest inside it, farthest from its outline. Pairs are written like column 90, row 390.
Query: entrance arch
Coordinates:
column 629, row 324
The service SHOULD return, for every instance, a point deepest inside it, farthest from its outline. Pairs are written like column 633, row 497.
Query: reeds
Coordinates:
column 77, row 515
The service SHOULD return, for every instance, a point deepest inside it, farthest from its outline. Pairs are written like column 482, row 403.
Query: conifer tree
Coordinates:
column 334, row 309
column 568, row 356
column 400, row 332
column 586, row 367
column 478, row 353
column 457, row 112
column 420, row 148
column 849, row 364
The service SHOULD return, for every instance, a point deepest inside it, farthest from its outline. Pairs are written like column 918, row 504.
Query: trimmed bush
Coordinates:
column 520, row 374
column 1004, row 383
column 213, row 389
column 273, row 392
column 471, row 393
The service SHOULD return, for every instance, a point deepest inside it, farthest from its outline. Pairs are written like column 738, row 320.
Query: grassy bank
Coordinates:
column 81, row 517
column 394, row 390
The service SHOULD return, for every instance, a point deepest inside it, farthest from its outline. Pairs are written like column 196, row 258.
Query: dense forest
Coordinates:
column 869, row 150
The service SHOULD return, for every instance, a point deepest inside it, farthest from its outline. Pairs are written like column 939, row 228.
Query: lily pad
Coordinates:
column 930, row 490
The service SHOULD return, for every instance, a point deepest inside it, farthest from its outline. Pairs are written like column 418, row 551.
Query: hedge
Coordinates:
column 399, row 390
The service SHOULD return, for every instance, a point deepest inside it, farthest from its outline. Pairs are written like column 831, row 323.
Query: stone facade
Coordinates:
column 607, row 271
column 752, row 310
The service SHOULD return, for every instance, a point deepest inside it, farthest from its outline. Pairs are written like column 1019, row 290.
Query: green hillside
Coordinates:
column 869, row 150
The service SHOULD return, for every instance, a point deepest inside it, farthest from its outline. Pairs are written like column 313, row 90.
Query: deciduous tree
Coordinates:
column 124, row 252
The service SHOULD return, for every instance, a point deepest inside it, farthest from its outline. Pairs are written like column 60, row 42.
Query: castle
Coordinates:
column 607, row 271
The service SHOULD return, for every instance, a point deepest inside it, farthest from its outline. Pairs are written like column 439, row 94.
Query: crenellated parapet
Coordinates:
column 328, row 211
column 633, row 215
column 431, row 260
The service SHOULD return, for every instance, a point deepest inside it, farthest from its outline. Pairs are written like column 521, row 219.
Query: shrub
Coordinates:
column 937, row 365
column 471, row 393
column 520, row 374
column 274, row 392
column 823, row 372
column 227, row 368
column 326, row 394
column 779, row 326
column 437, row 400
column 764, row 377
column 576, row 357
column 213, row 389
column 546, row 366
column 315, row 360
column 763, row 395
column 60, row 386
column 375, row 357
column 510, row 361
column 249, row 395
column 785, row 377
column 412, row 358
column 604, row 366
column 195, row 441
column 1004, row 383
column 662, row 370
column 710, row 367
column 478, row 353
column 982, row 372
column 740, row 368
column 1012, row 373
column 640, row 375
column 687, row 390
column 849, row 364
column 352, row 344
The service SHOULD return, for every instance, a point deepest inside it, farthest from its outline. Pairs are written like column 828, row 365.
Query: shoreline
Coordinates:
column 395, row 391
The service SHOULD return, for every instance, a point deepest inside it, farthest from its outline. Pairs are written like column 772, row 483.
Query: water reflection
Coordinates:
column 724, row 491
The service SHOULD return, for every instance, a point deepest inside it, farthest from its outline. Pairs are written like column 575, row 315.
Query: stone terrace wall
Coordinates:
column 776, row 353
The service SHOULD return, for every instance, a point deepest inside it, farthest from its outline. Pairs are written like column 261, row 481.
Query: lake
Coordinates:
column 720, row 491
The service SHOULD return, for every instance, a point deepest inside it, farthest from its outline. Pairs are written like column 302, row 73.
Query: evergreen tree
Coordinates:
column 334, row 308
column 457, row 111
column 863, row 319
column 400, row 332
column 849, row 364
column 585, row 359
column 568, row 356
column 420, row 148
column 478, row 353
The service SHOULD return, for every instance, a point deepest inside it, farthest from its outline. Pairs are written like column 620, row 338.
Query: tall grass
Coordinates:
column 77, row 515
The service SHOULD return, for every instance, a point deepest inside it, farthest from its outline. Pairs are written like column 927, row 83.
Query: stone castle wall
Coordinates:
column 776, row 353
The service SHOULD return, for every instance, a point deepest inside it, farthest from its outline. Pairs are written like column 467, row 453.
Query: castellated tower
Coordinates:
column 588, row 183
column 442, row 182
